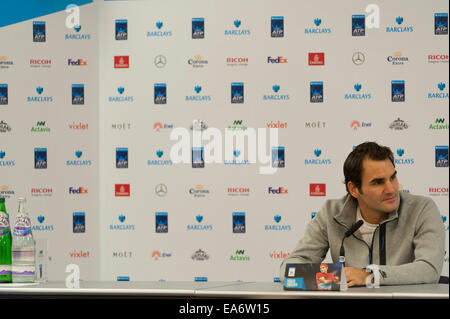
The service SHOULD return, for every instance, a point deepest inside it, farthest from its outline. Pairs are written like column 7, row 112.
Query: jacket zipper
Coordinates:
column 373, row 237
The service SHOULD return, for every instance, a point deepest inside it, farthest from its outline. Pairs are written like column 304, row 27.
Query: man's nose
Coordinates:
column 390, row 187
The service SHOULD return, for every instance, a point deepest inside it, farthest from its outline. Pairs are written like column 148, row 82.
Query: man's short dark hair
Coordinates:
column 353, row 164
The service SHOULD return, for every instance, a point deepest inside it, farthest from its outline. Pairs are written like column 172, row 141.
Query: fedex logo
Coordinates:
column 279, row 190
column 78, row 190
column 279, row 59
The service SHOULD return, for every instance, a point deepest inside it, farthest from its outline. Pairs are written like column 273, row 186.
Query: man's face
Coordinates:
column 323, row 269
column 379, row 187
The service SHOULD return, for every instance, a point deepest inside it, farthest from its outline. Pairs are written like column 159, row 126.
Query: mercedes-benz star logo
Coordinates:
column 160, row 61
column 161, row 190
column 358, row 58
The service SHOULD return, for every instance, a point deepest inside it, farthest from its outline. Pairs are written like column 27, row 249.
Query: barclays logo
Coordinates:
column 198, row 97
column 439, row 94
column 160, row 31
column 277, row 227
column 317, row 160
column 402, row 160
column 5, row 163
column 276, row 96
column 159, row 162
column 78, row 162
column 399, row 27
column 200, row 226
column 122, row 225
column 40, row 98
column 237, row 160
column 358, row 94
column 318, row 29
column 121, row 97
column 237, row 31
column 41, row 226
column 77, row 35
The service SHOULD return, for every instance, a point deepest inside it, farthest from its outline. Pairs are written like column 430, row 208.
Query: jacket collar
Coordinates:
column 347, row 215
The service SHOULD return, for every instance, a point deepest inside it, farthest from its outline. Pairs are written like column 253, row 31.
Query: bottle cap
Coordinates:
column 22, row 199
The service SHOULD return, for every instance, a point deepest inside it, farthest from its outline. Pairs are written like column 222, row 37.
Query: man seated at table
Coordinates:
column 402, row 234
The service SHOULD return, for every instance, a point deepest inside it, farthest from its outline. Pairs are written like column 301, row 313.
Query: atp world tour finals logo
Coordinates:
column 39, row 31
column 358, row 25
column 238, row 222
column 160, row 93
column 277, row 27
column 3, row 94
column 122, row 29
column 398, row 91
column 237, row 92
column 198, row 28
column 441, row 23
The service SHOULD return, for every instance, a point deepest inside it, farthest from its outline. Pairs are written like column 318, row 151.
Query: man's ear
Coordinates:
column 354, row 191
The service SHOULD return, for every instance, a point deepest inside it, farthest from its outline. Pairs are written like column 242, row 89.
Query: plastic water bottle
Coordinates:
column 5, row 244
column 23, row 247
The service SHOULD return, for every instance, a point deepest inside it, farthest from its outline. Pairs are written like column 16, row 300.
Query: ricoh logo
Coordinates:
column 40, row 63
column 238, row 191
column 41, row 191
column 438, row 58
column 438, row 191
column 242, row 61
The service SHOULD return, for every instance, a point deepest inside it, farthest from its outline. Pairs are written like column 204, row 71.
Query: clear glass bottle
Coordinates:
column 5, row 244
column 23, row 247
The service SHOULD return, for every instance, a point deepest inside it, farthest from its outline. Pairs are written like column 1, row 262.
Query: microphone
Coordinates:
column 348, row 233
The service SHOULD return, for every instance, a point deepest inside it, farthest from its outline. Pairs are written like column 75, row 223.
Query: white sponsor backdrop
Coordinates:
column 121, row 235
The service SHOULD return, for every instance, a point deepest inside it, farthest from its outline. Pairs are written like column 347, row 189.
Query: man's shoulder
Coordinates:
column 332, row 207
column 416, row 203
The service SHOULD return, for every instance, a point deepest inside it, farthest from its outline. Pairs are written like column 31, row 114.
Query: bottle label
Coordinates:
column 5, row 270
column 25, row 270
column 23, row 255
column 22, row 227
column 4, row 224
